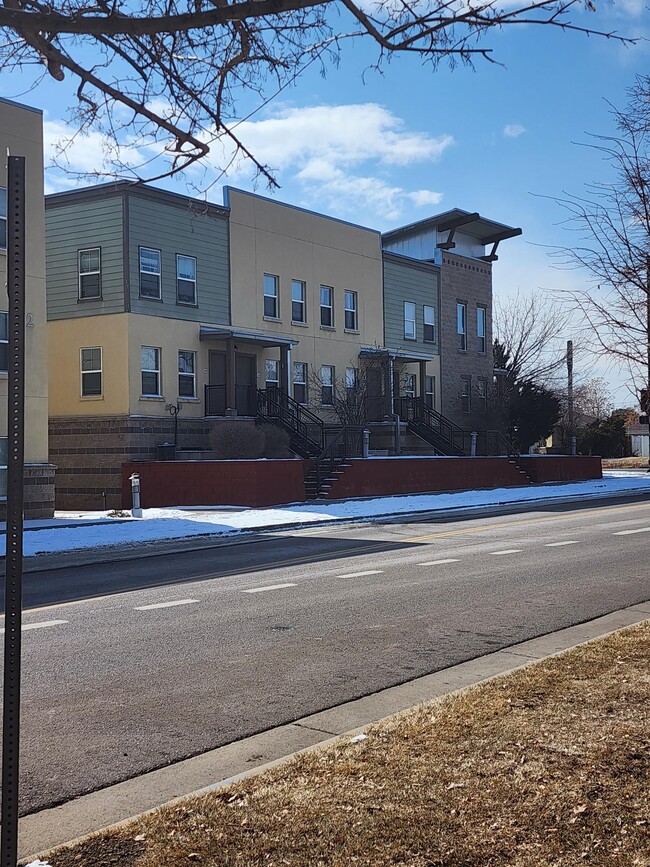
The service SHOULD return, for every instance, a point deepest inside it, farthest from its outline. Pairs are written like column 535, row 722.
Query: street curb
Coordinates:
column 138, row 551
column 115, row 806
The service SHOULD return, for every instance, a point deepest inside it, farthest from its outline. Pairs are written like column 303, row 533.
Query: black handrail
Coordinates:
column 341, row 444
column 304, row 427
column 445, row 435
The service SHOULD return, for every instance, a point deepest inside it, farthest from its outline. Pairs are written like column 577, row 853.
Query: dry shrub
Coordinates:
column 276, row 442
column 237, row 440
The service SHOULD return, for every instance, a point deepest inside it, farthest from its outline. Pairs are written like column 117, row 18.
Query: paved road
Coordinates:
column 248, row 637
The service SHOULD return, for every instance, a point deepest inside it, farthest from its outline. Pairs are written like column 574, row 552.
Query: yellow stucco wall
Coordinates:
column 21, row 134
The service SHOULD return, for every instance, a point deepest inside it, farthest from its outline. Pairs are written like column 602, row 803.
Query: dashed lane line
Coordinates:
column 165, row 604
column 631, row 532
column 440, row 562
column 266, row 589
column 508, row 551
column 42, row 625
column 560, row 544
column 361, row 574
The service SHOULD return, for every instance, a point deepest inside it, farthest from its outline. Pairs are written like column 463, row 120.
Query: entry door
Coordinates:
column 245, row 384
column 374, row 394
column 216, row 392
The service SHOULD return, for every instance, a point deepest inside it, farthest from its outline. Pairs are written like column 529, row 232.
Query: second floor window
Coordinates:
column 185, row 279
column 271, row 373
column 150, row 273
column 351, row 318
column 298, row 302
column 429, row 324
column 91, row 371
column 461, row 326
column 90, row 273
column 3, row 218
column 327, row 385
column 481, row 318
column 186, row 373
column 271, row 296
column 150, row 369
column 4, row 342
column 409, row 321
column 327, row 306
column 300, row 382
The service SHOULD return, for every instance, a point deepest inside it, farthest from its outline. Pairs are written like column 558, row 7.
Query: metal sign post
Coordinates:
column 15, row 464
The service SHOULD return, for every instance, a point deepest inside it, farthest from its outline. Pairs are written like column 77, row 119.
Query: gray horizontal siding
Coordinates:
column 403, row 282
column 173, row 230
column 71, row 228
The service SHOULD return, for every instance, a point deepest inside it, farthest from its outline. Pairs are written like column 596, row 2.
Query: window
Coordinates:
column 461, row 326
column 271, row 299
column 3, row 218
column 351, row 318
column 150, row 367
column 299, row 382
column 430, row 391
column 186, row 373
column 298, row 302
column 351, row 379
column 327, row 385
column 271, row 373
column 409, row 385
column 91, row 372
column 185, row 279
column 429, row 324
column 150, row 273
column 481, row 317
column 481, row 396
column 4, row 342
column 409, row 321
column 4, row 454
column 465, row 396
column 90, row 273
column 327, row 306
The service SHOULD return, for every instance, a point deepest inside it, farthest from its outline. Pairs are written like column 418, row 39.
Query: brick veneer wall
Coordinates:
column 468, row 280
column 38, row 492
column 89, row 453
column 562, row 468
column 208, row 483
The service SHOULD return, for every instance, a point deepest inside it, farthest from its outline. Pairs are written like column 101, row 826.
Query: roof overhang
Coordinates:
column 395, row 354
column 213, row 332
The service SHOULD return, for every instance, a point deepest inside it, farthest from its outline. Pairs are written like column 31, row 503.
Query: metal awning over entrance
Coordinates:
column 214, row 332
column 402, row 355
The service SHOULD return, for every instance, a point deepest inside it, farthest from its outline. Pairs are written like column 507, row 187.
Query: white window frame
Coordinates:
column 94, row 370
column 81, row 274
column 156, row 370
column 327, row 384
column 301, row 287
column 184, row 376
column 4, row 342
column 186, row 280
column 430, row 313
column 481, row 328
column 466, row 396
column 273, row 382
column 327, row 307
column 461, row 325
column 3, row 218
column 410, row 332
column 351, row 379
column 409, row 385
column 301, row 368
column 351, row 303
column 272, row 281
column 431, row 392
column 150, row 273
column 481, row 396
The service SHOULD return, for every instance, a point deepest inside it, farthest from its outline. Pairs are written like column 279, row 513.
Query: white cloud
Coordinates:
column 513, row 130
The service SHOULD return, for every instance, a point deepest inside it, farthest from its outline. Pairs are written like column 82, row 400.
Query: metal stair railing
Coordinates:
column 340, row 444
column 489, row 442
column 444, row 435
column 305, row 429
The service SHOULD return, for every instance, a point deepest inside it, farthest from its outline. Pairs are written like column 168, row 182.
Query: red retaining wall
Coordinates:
column 215, row 483
column 562, row 468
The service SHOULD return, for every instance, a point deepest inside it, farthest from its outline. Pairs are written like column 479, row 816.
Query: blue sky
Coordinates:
column 384, row 150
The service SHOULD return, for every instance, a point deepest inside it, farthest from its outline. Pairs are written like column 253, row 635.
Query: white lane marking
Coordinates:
column 42, row 625
column 361, row 574
column 439, row 562
column 272, row 587
column 165, row 604
column 559, row 544
column 629, row 532
column 509, row 551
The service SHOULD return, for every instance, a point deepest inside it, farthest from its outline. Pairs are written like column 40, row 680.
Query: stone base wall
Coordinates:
column 89, row 453
column 38, row 492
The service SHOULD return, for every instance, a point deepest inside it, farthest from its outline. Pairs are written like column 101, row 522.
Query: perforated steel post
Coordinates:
column 15, row 464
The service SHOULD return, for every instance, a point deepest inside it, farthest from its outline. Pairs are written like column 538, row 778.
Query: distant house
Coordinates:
column 639, row 439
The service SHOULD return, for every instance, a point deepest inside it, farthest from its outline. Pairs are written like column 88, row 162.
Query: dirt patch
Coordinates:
column 547, row 766
column 625, row 463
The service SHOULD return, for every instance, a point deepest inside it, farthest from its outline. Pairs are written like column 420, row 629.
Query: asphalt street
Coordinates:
column 218, row 644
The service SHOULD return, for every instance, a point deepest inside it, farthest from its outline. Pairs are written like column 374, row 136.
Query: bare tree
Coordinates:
column 168, row 74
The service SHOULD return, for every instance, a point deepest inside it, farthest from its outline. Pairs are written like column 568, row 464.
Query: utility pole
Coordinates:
column 569, row 367
column 646, row 408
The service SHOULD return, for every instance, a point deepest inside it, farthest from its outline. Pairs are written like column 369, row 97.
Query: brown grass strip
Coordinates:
column 547, row 766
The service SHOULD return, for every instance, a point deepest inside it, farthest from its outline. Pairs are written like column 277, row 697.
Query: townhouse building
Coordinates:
column 21, row 134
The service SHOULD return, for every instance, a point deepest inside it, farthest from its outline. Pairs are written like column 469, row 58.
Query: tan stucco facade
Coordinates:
column 21, row 134
column 268, row 237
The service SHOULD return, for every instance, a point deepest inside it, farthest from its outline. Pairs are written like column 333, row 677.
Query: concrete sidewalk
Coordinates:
column 43, row 831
